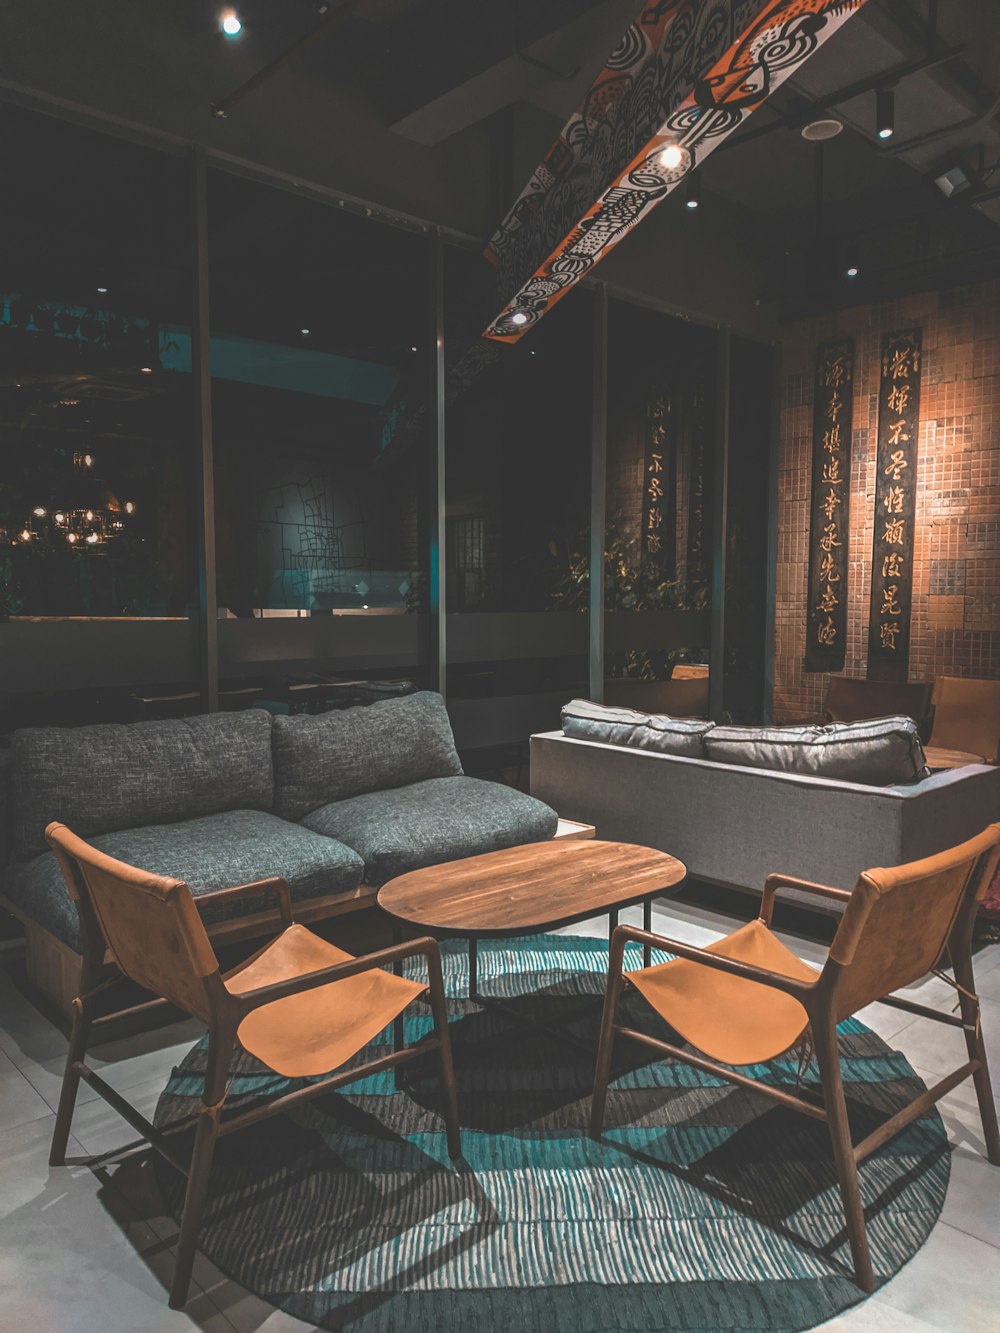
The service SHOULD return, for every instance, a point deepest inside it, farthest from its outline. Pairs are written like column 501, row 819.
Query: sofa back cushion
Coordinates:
column 333, row 756
column 105, row 778
column 878, row 752
column 641, row 731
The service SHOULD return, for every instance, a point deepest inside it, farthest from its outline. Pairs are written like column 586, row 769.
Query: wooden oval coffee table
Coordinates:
column 529, row 889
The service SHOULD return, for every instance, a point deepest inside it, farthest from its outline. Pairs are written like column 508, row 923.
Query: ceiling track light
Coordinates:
column 852, row 264
column 885, row 113
column 692, row 190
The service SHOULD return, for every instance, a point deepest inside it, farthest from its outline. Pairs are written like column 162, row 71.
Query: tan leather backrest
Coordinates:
column 899, row 920
column 967, row 715
column 850, row 700
column 149, row 922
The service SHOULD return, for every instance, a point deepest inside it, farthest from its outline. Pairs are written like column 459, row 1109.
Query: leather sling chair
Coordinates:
column 746, row 998
column 302, row 1006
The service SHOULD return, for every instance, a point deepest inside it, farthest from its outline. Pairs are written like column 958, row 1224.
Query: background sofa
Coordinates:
column 336, row 804
column 734, row 825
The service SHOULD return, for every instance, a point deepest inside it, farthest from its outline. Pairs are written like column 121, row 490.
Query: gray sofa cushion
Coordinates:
column 439, row 820
column 334, row 756
column 213, row 852
column 97, row 779
column 588, row 721
column 877, row 752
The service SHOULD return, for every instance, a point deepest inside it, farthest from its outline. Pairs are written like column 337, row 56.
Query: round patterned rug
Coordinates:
column 703, row 1207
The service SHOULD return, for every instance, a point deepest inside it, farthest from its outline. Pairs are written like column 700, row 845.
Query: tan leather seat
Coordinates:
column 730, row 1018
column 967, row 717
column 311, row 1033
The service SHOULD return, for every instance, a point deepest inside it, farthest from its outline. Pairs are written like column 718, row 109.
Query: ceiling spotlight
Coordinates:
column 519, row 317
column 413, row 349
column 102, row 290
column 852, row 266
column 952, row 181
column 145, row 370
column 304, row 332
column 230, row 23
column 674, row 156
column 692, row 190
column 885, row 113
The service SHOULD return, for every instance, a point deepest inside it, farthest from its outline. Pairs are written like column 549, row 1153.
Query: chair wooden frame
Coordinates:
column 820, row 1001
column 227, row 1011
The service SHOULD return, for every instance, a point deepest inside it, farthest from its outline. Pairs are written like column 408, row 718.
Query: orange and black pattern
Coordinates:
column 685, row 73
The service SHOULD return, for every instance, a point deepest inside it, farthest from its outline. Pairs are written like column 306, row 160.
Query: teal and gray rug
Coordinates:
column 703, row 1207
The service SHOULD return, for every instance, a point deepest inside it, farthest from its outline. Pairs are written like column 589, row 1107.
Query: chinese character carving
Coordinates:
column 889, row 632
column 890, row 607
column 894, row 531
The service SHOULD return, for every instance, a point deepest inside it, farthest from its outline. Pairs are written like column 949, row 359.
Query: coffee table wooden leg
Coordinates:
column 612, row 923
column 473, row 968
column 647, row 924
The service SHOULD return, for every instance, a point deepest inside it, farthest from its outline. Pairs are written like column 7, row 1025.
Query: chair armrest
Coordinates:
column 280, row 990
column 775, row 882
column 790, row 985
column 274, row 883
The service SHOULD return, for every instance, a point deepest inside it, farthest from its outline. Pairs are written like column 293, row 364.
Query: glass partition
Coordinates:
column 518, row 431
column 97, row 533
column 658, row 539
column 320, row 357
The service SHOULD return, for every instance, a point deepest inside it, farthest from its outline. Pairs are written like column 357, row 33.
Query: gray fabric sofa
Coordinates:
column 734, row 825
column 335, row 803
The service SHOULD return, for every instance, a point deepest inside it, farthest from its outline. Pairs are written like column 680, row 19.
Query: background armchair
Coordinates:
column 967, row 717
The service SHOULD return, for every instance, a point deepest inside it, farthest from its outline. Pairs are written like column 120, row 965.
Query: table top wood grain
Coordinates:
column 529, row 889
column 939, row 758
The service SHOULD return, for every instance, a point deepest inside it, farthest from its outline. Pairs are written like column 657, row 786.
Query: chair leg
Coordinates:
column 961, row 958
column 71, row 1081
column 206, row 1133
column 828, row 1059
column 606, row 1044
column 440, row 1010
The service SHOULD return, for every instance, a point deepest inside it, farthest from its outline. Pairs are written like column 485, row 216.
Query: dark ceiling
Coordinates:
column 420, row 100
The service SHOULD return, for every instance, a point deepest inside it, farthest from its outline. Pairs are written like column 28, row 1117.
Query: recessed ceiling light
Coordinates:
column 817, row 131
column 413, row 349
column 519, row 317
column 230, row 23
column 102, row 290
column 304, row 332
column 145, row 370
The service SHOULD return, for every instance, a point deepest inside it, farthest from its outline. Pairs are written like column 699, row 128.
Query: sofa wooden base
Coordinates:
column 53, row 968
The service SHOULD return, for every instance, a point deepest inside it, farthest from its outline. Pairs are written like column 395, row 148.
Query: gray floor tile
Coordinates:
column 19, row 1102
column 953, row 1283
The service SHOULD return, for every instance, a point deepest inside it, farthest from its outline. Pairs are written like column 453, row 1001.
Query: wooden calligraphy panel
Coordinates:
column 833, row 405
column 895, row 508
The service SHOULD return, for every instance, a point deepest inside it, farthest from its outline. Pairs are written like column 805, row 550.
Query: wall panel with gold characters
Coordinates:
column 684, row 76
column 893, row 542
column 833, row 419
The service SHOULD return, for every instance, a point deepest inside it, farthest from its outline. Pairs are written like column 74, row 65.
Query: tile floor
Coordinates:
column 88, row 1251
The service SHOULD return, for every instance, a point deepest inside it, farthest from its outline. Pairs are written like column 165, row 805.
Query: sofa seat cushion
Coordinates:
column 586, row 721
column 213, row 852
column 877, row 753
column 122, row 776
column 442, row 819
column 334, row 756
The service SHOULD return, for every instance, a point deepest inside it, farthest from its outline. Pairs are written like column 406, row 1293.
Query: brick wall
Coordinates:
column 956, row 590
